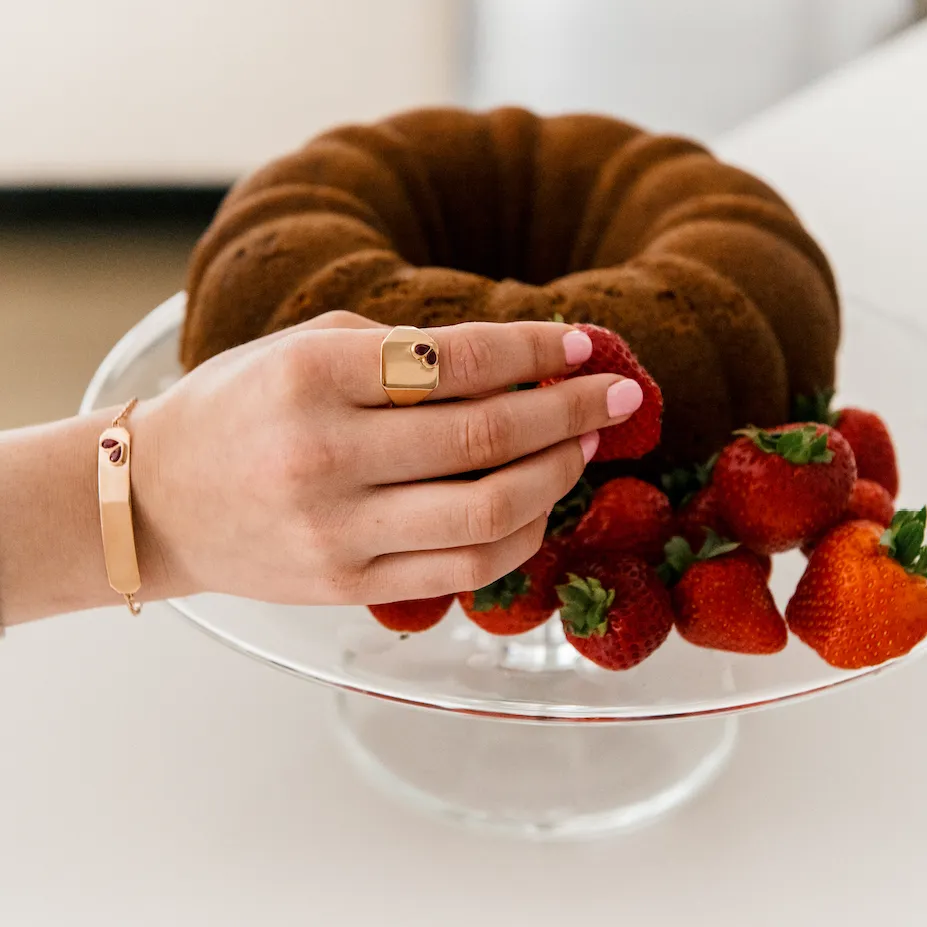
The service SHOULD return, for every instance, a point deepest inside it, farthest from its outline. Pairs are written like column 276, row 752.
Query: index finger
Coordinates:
column 474, row 358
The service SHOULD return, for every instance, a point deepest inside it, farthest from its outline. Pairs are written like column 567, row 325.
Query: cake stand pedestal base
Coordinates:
column 541, row 780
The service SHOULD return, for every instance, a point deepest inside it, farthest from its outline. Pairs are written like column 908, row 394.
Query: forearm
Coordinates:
column 51, row 553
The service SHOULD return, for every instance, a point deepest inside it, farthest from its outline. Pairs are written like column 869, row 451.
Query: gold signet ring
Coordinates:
column 408, row 365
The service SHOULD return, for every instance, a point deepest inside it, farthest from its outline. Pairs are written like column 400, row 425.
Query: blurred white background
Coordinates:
column 197, row 91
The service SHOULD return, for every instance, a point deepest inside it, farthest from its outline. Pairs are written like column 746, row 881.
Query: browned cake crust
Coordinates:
column 438, row 216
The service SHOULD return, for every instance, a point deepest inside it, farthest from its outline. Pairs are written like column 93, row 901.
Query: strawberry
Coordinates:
column 696, row 502
column 779, row 488
column 641, row 432
column 521, row 600
column 615, row 611
column 699, row 515
column 866, row 434
column 412, row 615
column 863, row 597
column 627, row 516
column 868, row 502
column 721, row 599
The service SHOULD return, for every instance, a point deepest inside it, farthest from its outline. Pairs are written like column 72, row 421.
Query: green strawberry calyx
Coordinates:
column 585, row 605
column 566, row 514
column 503, row 592
column 904, row 540
column 680, row 556
column 682, row 483
column 815, row 408
column 798, row 446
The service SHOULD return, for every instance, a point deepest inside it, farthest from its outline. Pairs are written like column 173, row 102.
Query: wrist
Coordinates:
column 51, row 550
column 163, row 572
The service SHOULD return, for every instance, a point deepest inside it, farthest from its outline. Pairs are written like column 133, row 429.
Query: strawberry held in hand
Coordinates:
column 866, row 434
column 627, row 516
column 721, row 599
column 615, row 612
column 640, row 434
column 779, row 488
column 863, row 597
column 521, row 600
column 414, row 615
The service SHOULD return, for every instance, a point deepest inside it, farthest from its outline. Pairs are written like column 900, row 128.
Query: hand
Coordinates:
column 278, row 471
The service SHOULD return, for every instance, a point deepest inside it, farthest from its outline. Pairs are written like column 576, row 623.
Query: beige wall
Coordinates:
column 199, row 90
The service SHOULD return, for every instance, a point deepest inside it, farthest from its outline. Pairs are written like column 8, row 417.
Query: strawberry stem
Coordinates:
column 682, row 483
column 585, row 606
column 815, row 408
column 680, row 557
column 798, row 446
column 570, row 509
column 904, row 540
column 503, row 592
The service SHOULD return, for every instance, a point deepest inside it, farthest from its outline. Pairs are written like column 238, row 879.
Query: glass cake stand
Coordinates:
column 523, row 735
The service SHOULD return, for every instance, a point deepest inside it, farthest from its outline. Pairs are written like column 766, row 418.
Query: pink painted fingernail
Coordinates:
column 623, row 398
column 589, row 442
column 577, row 346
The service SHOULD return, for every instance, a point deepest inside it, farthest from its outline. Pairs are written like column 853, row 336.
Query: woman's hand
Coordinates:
column 279, row 471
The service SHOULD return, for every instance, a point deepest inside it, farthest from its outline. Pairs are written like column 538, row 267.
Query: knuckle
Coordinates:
column 490, row 516
column 322, row 456
column 571, row 467
column 346, row 583
column 538, row 347
column 472, row 570
column 576, row 414
column 335, row 318
column 470, row 357
column 488, row 434
column 288, row 363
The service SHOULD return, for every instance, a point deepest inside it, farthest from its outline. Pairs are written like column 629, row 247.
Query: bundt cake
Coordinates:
column 438, row 216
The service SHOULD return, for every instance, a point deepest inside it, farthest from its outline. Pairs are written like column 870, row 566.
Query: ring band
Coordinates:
column 408, row 365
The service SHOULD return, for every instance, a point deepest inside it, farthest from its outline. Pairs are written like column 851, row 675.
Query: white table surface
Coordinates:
column 151, row 777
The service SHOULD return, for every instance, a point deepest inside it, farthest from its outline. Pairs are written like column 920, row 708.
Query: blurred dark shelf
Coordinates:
column 109, row 204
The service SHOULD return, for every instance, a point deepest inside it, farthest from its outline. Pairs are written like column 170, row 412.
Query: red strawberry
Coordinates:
column 866, row 434
column 721, row 599
column 641, row 432
column 521, row 600
column 701, row 512
column 615, row 611
column 868, row 502
column 779, row 488
column 412, row 615
column 871, row 443
column 863, row 597
column 627, row 516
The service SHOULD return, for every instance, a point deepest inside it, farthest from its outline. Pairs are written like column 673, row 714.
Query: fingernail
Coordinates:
column 589, row 442
column 623, row 398
column 577, row 346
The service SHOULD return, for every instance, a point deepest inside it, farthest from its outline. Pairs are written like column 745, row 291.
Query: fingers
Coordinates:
column 433, row 516
column 424, row 574
column 436, row 440
column 475, row 358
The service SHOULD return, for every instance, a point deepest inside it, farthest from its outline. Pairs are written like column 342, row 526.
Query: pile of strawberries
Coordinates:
column 628, row 562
